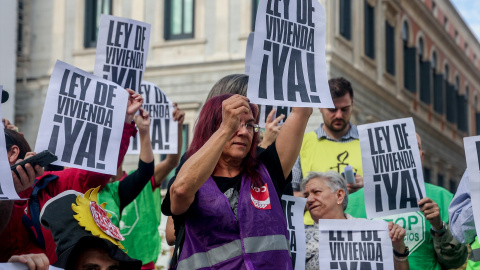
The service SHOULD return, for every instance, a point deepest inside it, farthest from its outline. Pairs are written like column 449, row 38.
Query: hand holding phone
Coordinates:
column 43, row 159
column 348, row 174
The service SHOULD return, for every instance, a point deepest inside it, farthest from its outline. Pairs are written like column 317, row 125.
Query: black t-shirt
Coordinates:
column 269, row 158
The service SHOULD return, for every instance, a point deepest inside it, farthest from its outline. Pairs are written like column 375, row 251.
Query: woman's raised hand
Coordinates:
column 232, row 109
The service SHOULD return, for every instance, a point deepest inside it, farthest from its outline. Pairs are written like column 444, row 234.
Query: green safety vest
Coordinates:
column 474, row 258
column 138, row 222
column 418, row 238
column 324, row 155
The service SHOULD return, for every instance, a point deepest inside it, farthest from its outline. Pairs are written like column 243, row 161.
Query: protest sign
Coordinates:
column 287, row 66
column 248, row 54
column 21, row 266
column 354, row 244
column 82, row 121
column 279, row 110
column 293, row 208
column 472, row 153
column 392, row 168
column 163, row 130
column 7, row 189
column 122, row 47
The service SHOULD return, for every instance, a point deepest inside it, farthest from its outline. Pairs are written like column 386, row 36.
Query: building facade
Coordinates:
column 405, row 58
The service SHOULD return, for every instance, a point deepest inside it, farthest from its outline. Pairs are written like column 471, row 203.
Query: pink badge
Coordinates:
column 103, row 222
column 260, row 198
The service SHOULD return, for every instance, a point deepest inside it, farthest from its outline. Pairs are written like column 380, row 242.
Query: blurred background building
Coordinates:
column 414, row 58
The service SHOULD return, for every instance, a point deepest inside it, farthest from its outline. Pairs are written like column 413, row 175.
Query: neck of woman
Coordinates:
column 227, row 168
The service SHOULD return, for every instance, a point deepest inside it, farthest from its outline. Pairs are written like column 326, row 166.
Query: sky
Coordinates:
column 470, row 12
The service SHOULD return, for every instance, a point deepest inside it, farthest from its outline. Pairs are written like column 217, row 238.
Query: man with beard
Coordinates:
column 335, row 144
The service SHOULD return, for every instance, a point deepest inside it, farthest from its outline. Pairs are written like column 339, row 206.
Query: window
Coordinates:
column 437, row 86
column 477, row 117
column 440, row 181
column 446, row 88
column 390, row 48
column 462, row 111
column 452, row 91
column 21, row 14
column 427, row 175
column 93, row 10
column 179, row 18
column 369, row 24
column 254, row 12
column 455, row 33
column 424, row 75
column 409, row 63
column 453, row 186
column 346, row 19
column 184, row 149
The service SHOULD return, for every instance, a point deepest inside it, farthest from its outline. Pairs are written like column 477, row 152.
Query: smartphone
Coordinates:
column 43, row 159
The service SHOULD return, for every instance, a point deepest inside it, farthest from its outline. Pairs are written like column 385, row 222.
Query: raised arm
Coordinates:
column 163, row 168
column 198, row 167
column 289, row 141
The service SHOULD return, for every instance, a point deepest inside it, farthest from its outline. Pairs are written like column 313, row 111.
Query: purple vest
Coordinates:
column 215, row 240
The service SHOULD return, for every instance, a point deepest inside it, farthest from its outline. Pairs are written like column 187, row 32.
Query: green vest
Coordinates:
column 474, row 258
column 138, row 222
column 418, row 238
column 324, row 155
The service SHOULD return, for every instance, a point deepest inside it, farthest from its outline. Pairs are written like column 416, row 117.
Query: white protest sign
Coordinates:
column 293, row 208
column 354, row 244
column 7, row 189
column 163, row 130
column 279, row 110
column 21, row 266
column 472, row 153
column 248, row 54
column 288, row 67
column 122, row 47
column 392, row 169
column 83, row 119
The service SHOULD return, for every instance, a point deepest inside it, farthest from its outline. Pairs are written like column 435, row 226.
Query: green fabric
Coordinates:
column 472, row 264
column 418, row 238
column 138, row 222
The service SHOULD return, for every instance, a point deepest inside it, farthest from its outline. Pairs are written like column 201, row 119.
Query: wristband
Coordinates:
column 401, row 255
column 439, row 232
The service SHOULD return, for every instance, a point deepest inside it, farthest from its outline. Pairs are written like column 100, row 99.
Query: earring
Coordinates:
column 338, row 203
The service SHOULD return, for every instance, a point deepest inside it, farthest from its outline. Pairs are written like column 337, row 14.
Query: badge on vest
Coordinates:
column 260, row 197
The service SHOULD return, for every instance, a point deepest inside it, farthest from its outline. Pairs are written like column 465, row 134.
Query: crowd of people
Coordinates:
column 223, row 204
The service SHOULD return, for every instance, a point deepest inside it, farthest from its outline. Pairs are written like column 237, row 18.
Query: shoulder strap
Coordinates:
column 178, row 246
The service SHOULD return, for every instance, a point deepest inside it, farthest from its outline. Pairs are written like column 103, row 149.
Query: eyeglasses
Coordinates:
column 252, row 128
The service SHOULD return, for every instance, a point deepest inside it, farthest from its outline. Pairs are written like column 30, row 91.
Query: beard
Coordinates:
column 336, row 127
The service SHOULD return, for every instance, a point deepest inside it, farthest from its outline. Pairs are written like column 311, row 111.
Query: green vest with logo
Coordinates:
column 138, row 221
column 474, row 258
column 418, row 238
column 325, row 155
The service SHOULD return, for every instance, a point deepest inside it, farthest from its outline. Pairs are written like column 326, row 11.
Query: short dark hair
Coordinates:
column 339, row 87
column 14, row 138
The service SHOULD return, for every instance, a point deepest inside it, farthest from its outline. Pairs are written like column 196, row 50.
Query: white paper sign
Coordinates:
column 7, row 189
column 294, row 207
column 279, row 110
column 392, row 168
column 472, row 153
column 21, row 266
column 163, row 130
column 122, row 49
column 248, row 54
column 354, row 244
column 82, row 121
column 288, row 65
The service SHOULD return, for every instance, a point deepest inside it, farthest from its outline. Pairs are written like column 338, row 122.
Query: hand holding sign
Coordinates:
column 32, row 261
column 431, row 211
column 142, row 120
column 135, row 101
column 178, row 115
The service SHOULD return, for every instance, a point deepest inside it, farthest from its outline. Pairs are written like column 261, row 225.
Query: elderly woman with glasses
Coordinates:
column 228, row 197
column 327, row 198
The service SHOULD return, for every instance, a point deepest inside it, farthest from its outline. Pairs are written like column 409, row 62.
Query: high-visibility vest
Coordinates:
column 474, row 258
column 324, row 155
column 214, row 239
